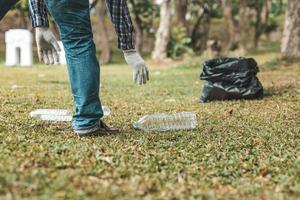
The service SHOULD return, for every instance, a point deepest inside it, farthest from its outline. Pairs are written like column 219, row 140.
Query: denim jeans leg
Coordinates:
column 73, row 20
column 5, row 6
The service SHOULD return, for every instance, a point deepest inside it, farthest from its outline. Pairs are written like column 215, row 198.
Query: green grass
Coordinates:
column 240, row 149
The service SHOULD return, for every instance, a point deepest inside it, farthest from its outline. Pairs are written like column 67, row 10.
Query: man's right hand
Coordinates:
column 138, row 65
column 47, row 45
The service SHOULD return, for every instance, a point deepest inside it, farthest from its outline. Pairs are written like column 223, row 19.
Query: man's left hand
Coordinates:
column 47, row 45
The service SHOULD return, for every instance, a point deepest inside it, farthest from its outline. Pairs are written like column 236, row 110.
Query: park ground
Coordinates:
column 240, row 149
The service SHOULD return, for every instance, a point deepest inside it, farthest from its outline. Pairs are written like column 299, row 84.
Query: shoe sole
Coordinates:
column 87, row 131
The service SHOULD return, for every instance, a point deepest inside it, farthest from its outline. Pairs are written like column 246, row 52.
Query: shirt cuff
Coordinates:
column 38, row 21
column 126, row 42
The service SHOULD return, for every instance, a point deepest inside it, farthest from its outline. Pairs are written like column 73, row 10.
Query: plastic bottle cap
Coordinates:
column 135, row 125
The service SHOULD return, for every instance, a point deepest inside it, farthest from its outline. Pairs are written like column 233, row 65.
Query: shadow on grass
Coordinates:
column 276, row 63
column 266, row 47
column 280, row 90
column 55, row 82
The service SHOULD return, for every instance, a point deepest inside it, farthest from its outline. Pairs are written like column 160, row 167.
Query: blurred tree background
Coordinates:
column 173, row 29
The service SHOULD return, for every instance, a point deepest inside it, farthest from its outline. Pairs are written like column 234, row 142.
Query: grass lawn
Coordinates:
column 240, row 149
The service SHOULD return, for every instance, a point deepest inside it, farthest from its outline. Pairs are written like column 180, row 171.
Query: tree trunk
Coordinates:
column 181, row 10
column 106, row 51
column 196, row 27
column 200, row 31
column 243, row 25
column 138, row 24
column 227, row 12
column 163, row 34
column 139, row 37
column 291, row 36
column 258, row 22
column 257, row 30
column 265, row 13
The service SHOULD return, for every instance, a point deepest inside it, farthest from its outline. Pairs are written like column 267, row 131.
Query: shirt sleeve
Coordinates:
column 39, row 16
column 120, row 16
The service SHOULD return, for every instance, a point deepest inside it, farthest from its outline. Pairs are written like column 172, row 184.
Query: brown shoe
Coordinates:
column 106, row 129
column 100, row 129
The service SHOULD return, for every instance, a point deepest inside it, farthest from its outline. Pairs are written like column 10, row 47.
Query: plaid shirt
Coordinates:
column 119, row 14
column 38, row 12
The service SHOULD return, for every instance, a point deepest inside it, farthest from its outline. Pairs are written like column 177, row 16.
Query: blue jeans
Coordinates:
column 5, row 6
column 73, row 20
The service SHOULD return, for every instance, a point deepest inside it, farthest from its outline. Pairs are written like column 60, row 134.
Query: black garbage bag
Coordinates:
column 230, row 78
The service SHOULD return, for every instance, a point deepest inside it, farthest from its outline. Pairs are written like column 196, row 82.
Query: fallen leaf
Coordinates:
column 263, row 170
column 108, row 160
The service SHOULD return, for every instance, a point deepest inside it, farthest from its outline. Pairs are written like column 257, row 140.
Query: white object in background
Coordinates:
column 159, row 2
column 59, row 115
column 61, row 54
column 18, row 47
column 167, row 122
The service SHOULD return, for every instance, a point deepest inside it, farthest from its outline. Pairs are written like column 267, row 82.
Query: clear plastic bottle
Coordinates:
column 106, row 110
column 59, row 115
column 58, row 112
column 167, row 122
column 56, row 118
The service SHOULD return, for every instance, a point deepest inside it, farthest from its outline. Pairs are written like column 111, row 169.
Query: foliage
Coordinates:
column 180, row 43
column 23, row 7
column 144, row 11
column 270, row 26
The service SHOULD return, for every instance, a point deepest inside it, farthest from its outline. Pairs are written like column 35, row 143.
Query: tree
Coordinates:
column 106, row 50
column 142, row 12
column 262, row 23
column 243, row 25
column 291, row 36
column 181, row 11
column 23, row 11
column 227, row 12
column 266, row 10
column 163, row 34
column 201, row 13
column 258, row 6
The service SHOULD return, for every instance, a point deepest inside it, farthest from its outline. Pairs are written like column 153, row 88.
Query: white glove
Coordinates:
column 138, row 65
column 47, row 45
